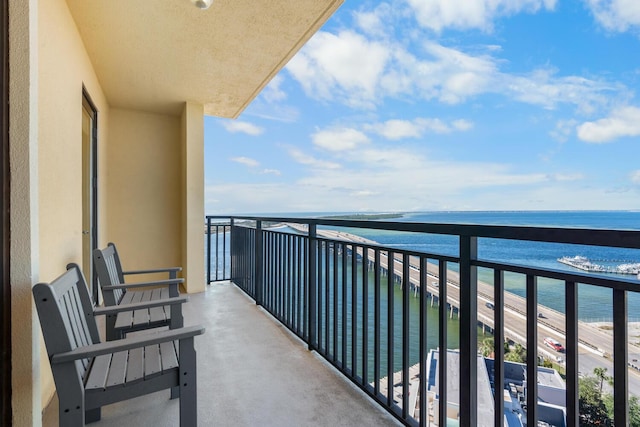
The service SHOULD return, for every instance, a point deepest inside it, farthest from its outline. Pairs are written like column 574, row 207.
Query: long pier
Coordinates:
column 593, row 343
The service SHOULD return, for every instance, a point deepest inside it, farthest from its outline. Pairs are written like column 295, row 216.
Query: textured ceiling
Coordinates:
column 156, row 54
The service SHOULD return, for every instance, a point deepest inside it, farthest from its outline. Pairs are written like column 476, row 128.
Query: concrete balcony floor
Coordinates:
column 251, row 372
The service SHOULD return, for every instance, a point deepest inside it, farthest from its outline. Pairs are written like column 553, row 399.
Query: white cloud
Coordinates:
column 339, row 139
column 308, row 160
column 235, row 126
column 246, row 161
column 272, row 92
column 373, row 22
column 616, row 15
column 465, row 14
column 374, row 177
column 271, row 172
column 560, row 177
column 398, row 129
column 622, row 122
column 563, row 130
column 346, row 61
column 362, row 72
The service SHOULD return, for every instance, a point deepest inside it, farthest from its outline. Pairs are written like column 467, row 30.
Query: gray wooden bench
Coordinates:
column 116, row 291
column 89, row 374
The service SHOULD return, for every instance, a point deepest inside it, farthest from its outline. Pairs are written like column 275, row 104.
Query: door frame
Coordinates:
column 5, row 278
column 86, row 100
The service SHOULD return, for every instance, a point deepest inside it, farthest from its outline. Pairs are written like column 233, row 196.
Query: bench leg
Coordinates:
column 175, row 392
column 176, row 317
column 110, row 326
column 70, row 411
column 92, row 415
column 188, row 395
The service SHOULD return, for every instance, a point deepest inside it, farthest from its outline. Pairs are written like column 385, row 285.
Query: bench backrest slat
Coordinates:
column 109, row 270
column 66, row 315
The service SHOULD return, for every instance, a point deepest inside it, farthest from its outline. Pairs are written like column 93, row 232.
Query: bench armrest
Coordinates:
column 167, row 282
column 127, row 344
column 154, row 270
column 113, row 309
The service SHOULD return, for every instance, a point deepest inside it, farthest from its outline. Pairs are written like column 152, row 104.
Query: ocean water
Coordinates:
column 594, row 303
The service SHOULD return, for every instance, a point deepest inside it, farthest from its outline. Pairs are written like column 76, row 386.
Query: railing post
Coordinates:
column 468, row 331
column 209, row 250
column 312, row 278
column 532, row 349
column 259, row 253
column 231, row 245
column 620, row 358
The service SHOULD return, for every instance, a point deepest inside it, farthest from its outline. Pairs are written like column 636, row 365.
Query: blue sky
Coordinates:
column 430, row 105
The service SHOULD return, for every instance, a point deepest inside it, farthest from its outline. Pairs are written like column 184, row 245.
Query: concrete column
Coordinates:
column 193, row 197
column 26, row 400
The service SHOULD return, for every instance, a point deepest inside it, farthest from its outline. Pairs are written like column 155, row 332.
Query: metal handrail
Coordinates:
column 298, row 280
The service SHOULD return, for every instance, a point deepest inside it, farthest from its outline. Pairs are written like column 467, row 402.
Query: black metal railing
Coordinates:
column 365, row 308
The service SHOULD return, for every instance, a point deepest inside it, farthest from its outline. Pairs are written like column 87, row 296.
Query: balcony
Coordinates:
column 384, row 350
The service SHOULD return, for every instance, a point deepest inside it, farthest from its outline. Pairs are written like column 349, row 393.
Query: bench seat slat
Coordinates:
column 168, row 351
column 141, row 317
column 157, row 314
column 152, row 364
column 125, row 319
column 99, row 371
column 135, row 367
column 118, row 368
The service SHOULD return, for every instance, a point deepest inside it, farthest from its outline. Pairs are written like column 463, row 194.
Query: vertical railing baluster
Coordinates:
column 498, row 346
column 224, row 245
column 336, row 247
column 354, row 310
column 620, row 358
column 312, row 276
column 442, row 342
column 259, row 254
column 345, row 363
column 285, row 276
column 406, row 285
column 422, row 341
column 304, row 300
column 217, row 252
column 209, row 250
column 321, row 302
column 532, row 350
column 468, row 315
column 327, row 275
column 376, row 327
column 390, row 367
column 365, row 315
column 571, row 348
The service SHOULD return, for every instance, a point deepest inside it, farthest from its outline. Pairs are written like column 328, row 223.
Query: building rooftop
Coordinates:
column 485, row 395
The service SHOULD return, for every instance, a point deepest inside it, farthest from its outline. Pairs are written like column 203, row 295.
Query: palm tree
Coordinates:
column 601, row 374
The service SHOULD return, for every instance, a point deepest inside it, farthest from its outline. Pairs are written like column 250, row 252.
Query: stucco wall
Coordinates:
column 63, row 68
column 23, row 139
column 144, row 212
